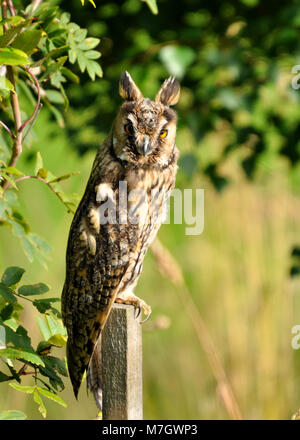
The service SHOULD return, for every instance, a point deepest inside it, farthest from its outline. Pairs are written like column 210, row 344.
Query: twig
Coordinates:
column 17, row 145
column 33, row 121
column 11, row 7
column 45, row 383
column 37, row 107
column 49, row 186
column 169, row 267
column 7, row 129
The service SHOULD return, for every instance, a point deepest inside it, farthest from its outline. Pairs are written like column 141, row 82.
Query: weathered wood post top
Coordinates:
column 121, row 352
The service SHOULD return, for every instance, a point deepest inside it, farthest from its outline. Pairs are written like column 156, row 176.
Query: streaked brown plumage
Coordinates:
column 104, row 261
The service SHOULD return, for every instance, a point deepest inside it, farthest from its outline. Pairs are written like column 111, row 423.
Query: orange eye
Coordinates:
column 163, row 133
column 128, row 128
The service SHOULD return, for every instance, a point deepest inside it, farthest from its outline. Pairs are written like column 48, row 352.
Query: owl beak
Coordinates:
column 146, row 146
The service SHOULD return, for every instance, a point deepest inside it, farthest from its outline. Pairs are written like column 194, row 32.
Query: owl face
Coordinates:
column 144, row 131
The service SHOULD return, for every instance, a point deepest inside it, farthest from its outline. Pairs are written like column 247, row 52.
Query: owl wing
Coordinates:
column 97, row 264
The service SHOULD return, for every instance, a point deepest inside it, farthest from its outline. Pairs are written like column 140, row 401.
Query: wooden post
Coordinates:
column 121, row 351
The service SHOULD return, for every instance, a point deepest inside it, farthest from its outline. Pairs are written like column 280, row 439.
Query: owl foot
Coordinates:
column 139, row 304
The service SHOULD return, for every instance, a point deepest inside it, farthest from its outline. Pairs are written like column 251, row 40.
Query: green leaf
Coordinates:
column 57, row 114
column 50, row 373
column 44, row 329
column 38, row 163
column 22, row 388
column 7, row 293
column 44, row 304
column 58, row 340
column 44, row 348
column 72, row 56
column 9, row 179
column 55, row 96
column 58, row 364
column 9, row 36
column 55, row 326
column 6, row 312
column 13, row 170
column 27, row 41
column 64, row 177
column 89, row 43
column 152, row 5
column 11, row 323
column 41, row 245
column 70, row 75
column 51, row 55
column 12, row 20
column 4, row 378
column 12, row 415
column 57, row 79
column 34, row 289
column 65, row 17
column 80, row 35
column 17, row 353
column 41, row 407
column 13, row 372
column 18, row 217
column 12, row 275
column 82, row 61
column 13, row 57
column 66, row 100
column 92, row 54
column 54, row 67
column 52, row 396
column 6, row 85
column 17, row 337
column 94, row 69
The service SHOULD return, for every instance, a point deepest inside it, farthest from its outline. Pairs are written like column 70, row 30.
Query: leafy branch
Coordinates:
column 16, row 344
column 39, row 46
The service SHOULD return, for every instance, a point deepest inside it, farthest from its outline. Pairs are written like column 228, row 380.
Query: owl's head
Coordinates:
column 144, row 131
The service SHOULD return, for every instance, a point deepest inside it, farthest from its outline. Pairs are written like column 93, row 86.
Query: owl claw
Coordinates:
column 137, row 312
column 139, row 304
column 142, row 306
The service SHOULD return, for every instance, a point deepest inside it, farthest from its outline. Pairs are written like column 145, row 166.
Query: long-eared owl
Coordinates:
column 117, row 219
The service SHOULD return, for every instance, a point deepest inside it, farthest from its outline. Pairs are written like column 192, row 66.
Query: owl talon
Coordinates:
column 137, row 312
column 138, row 303
column 147, row 316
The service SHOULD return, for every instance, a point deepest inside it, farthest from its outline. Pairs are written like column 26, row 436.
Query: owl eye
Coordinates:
column 128, row 128
column 163, row 133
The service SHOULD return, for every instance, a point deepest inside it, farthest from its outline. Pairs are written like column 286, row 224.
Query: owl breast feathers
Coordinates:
column 118, row 217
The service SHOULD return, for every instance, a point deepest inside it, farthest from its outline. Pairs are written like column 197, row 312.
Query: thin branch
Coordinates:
column 17, row 145
column 66, row 204
column 45, row 383
column 37, row 107
column 33, row 121
column 7, row 129
column 11, row 8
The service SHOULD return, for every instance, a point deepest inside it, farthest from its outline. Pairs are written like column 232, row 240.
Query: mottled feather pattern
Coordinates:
column 104, row 261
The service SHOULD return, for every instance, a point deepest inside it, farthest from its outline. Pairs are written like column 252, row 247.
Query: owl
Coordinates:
column 118, row 217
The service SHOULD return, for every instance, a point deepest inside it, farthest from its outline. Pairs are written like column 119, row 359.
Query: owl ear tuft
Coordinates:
column 169, row 92
column 128, row 89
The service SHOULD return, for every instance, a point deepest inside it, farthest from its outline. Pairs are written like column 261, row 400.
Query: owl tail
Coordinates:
column 94, row 374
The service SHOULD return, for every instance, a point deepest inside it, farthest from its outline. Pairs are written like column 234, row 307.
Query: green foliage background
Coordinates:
column 238, row 136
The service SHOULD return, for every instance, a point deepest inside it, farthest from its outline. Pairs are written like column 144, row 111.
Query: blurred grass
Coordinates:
column 237, row 271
